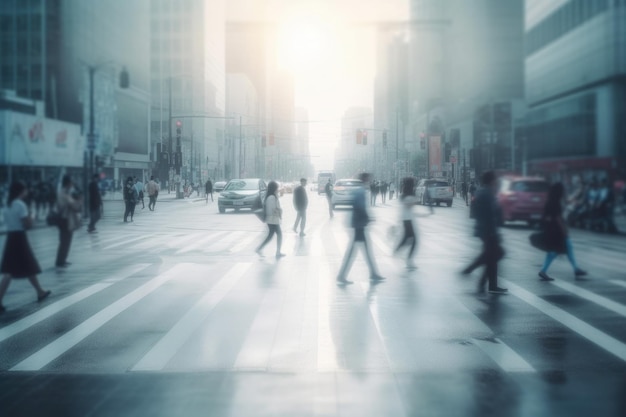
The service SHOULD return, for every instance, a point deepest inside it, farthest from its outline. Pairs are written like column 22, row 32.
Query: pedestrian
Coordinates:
column 208, row 188
column 555, row 233
column 383, row 191
column 18, row 260
column 392, row 190
column 328, row 190
column 300, row 203
column 69, row 205
column 273, row 216
column 464, row 192
column 139, row 187
column 130, row 199
column 408, row 200
column 95, row 203
column 488, row 218
column 153, row 193
column 360, row 219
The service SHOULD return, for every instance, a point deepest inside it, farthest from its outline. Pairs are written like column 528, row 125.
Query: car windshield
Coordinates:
column 437, row 184
column 348, row 183
column 530, row 186
column 236, row 185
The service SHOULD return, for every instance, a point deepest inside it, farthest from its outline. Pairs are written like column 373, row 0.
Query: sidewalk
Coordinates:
column 106, row 200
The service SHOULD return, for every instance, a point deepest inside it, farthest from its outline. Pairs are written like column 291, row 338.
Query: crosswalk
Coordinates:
column 203, row 300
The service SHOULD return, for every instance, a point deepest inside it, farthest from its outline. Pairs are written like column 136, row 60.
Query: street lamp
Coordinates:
column 91, row 136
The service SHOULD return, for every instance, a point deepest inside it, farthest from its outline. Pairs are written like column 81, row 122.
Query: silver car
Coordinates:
column 245, row 193
column 343, row 191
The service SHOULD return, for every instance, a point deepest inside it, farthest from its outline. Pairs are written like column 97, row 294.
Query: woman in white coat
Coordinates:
column 273, row 216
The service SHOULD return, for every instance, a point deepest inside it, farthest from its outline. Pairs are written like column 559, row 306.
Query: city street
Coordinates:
column 175, row 314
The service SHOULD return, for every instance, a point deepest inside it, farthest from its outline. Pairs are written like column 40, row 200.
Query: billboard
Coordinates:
column 29, row 140
column 434, row 153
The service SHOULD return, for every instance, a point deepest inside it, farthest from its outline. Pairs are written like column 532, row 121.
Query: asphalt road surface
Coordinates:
column 175, row 315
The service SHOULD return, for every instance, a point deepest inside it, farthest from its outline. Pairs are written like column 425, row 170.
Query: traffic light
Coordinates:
column 384, row 139
column 124, row 79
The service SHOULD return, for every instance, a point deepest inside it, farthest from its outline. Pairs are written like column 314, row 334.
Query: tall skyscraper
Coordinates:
column 188, row 82
column 575, row 71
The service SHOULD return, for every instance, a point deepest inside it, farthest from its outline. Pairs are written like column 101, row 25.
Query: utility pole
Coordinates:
column 240, row 140
column 171, row 147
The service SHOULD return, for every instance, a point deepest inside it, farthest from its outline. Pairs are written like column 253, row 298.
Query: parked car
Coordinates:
column 439, row 191
column 343, row 191
column 218, row 187
column 245, row 193
column 522, row 198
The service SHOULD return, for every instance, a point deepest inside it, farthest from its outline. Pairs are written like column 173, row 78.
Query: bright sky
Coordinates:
column 333, row 60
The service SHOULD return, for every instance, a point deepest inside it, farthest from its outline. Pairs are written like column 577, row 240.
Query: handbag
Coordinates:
column 53, row 218
column 538, row 240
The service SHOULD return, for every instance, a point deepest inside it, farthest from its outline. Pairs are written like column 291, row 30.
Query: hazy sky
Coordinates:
column 333, row 60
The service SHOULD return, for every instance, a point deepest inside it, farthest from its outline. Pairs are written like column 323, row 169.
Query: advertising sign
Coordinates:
column 36, row 141
column 434, row 153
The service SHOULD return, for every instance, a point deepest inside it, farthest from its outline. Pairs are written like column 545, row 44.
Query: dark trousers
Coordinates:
column 152, row 202
column 490, row 256
column 383, row 196
column 273, row 228
column 300, row 218
column 65, row 241
column 330, row 206
column 130, row 209
column 94, row 216
column 409, row 233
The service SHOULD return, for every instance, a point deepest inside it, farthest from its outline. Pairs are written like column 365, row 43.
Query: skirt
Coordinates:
column 18, row 259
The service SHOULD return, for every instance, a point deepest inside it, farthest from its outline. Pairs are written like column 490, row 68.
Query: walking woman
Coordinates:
column 408, row 201
column 69, row 207
column 18, row 260
column 556, row 236
column 273, row 216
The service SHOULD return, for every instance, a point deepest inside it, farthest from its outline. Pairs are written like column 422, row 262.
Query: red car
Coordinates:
column 522, row 198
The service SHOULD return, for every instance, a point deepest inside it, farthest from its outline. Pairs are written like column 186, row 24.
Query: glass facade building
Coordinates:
column 576, row 82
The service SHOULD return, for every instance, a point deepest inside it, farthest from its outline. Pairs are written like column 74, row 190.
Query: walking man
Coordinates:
column 300, row 203
column 95, row 203
column 153, row 192
column 328, row 190
column 488, row 217
column 464, row 192
column 208, row 189
column 360, row 219
column 383, row 191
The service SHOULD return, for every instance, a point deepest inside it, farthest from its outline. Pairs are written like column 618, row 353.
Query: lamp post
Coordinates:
column 91, row 136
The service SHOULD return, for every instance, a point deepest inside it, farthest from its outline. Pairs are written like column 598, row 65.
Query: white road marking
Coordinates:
column 503, row 355
column 158, row 357
column 588, row 295
column 202, row 242
column 180, row 241
column 618, row 282
column 255, row 351
column 587, row 331
column 244, row 243
column 60, row 305
column 53, row 350
column 326, row 349
column 125, row 242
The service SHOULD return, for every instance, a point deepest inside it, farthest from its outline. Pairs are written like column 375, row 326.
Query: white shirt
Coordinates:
column 14, row 214
column 408, row 203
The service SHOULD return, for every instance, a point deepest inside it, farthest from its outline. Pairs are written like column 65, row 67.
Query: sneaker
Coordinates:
column 280, row 255
column 295, row 230
column 2, row 309
column 498, row 290
column 258, row 252
column 302, row 234
column 343, row 281
column 580, row 273
column 44, row 296
column 411, row 266
column 545, row 277
column 376, row 278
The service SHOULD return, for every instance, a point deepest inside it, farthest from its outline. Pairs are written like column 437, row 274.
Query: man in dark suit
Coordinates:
column 300, row 203
column 95, row 203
